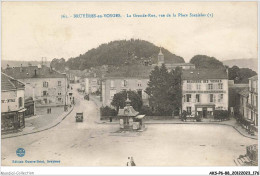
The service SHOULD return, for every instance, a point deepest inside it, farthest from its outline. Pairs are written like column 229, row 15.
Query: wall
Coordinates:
column 132, row 84
column 13, row 97
column 53, row 89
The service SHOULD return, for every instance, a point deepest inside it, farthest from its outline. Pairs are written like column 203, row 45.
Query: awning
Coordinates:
column 22, row 110
column 139, row 116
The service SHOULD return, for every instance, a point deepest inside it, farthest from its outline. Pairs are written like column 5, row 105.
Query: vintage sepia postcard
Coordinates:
column 121, row 84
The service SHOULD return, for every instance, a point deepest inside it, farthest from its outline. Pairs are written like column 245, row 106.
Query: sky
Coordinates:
column 32, row 30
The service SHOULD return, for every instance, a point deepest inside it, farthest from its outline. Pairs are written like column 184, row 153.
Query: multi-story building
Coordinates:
column 127, row 78
column 12, row 104
column 243, row 103
column 47, row 86
column 204, row 91
column 92, row 83
column 253, row 100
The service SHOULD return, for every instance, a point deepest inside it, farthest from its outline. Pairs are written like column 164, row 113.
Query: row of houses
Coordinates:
column 203, row 90
column 25, row 88
column 248, row 101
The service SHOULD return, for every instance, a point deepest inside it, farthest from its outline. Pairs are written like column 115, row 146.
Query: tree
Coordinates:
column 203, row 61
column 120, row 98
column 240, row 75
column 164, row 90
column 58, row 64
column 116, row 53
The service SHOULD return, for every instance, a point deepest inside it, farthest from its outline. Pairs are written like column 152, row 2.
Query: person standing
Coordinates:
column 132, row 162
column 128, row 163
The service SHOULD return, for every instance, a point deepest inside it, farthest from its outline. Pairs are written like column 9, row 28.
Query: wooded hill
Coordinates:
column 116, row 53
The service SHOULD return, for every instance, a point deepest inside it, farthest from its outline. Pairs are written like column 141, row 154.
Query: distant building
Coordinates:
column 46, row 86
column 253, row 100
column 234, row 92
column 76, row 76
column 92, row 83
column 204, row 91
column 243, row 103
column 133, row 78
column 171, row 65
column 12, row 104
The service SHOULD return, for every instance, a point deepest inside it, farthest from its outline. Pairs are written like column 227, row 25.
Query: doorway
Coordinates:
column 204, row 112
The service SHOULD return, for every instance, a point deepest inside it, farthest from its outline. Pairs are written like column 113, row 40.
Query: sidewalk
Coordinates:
column 96, row 100
column 232, row 123
column 39, row 123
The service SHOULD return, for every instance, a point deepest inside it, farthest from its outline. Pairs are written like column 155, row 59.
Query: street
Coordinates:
column 93, row 144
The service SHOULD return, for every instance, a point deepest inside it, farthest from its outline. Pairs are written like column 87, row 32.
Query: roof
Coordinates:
column 8, row 83
column 200, row 74
column 29, row 72
column 244, row 92
column 254, row 77
column 131, row 71
column 128, row 111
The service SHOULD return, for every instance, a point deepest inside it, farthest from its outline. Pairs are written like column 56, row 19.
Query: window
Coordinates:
column 139, row 83
column 188, row 110
column 112, row 93
column 45, row 84
column 220, row 86
column 59, row 83
column 44, row 93
column 188, row 97
column 59, row 99
column 184, row 98
column 112, row 83
column 220, row 99
column 210, row 86
column 211, row 98
column 188, row 86
column 198, row 86
column 20, row 102
column 59, row 93
column 197, row 97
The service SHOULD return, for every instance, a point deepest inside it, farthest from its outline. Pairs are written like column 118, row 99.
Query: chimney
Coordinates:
column 35, row 72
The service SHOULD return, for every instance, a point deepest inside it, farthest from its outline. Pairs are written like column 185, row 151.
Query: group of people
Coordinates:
column 130, row 162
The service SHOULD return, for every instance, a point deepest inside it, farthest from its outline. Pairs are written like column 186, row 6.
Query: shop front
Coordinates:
column 205, row 111
column 12, row 121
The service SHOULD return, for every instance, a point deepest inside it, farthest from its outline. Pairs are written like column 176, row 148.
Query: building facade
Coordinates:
column 127, row 78
column 204, row 91
column 46, row 86
column 92, row 83
column 12, row 104
column 243, row 103
column 253, row 100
